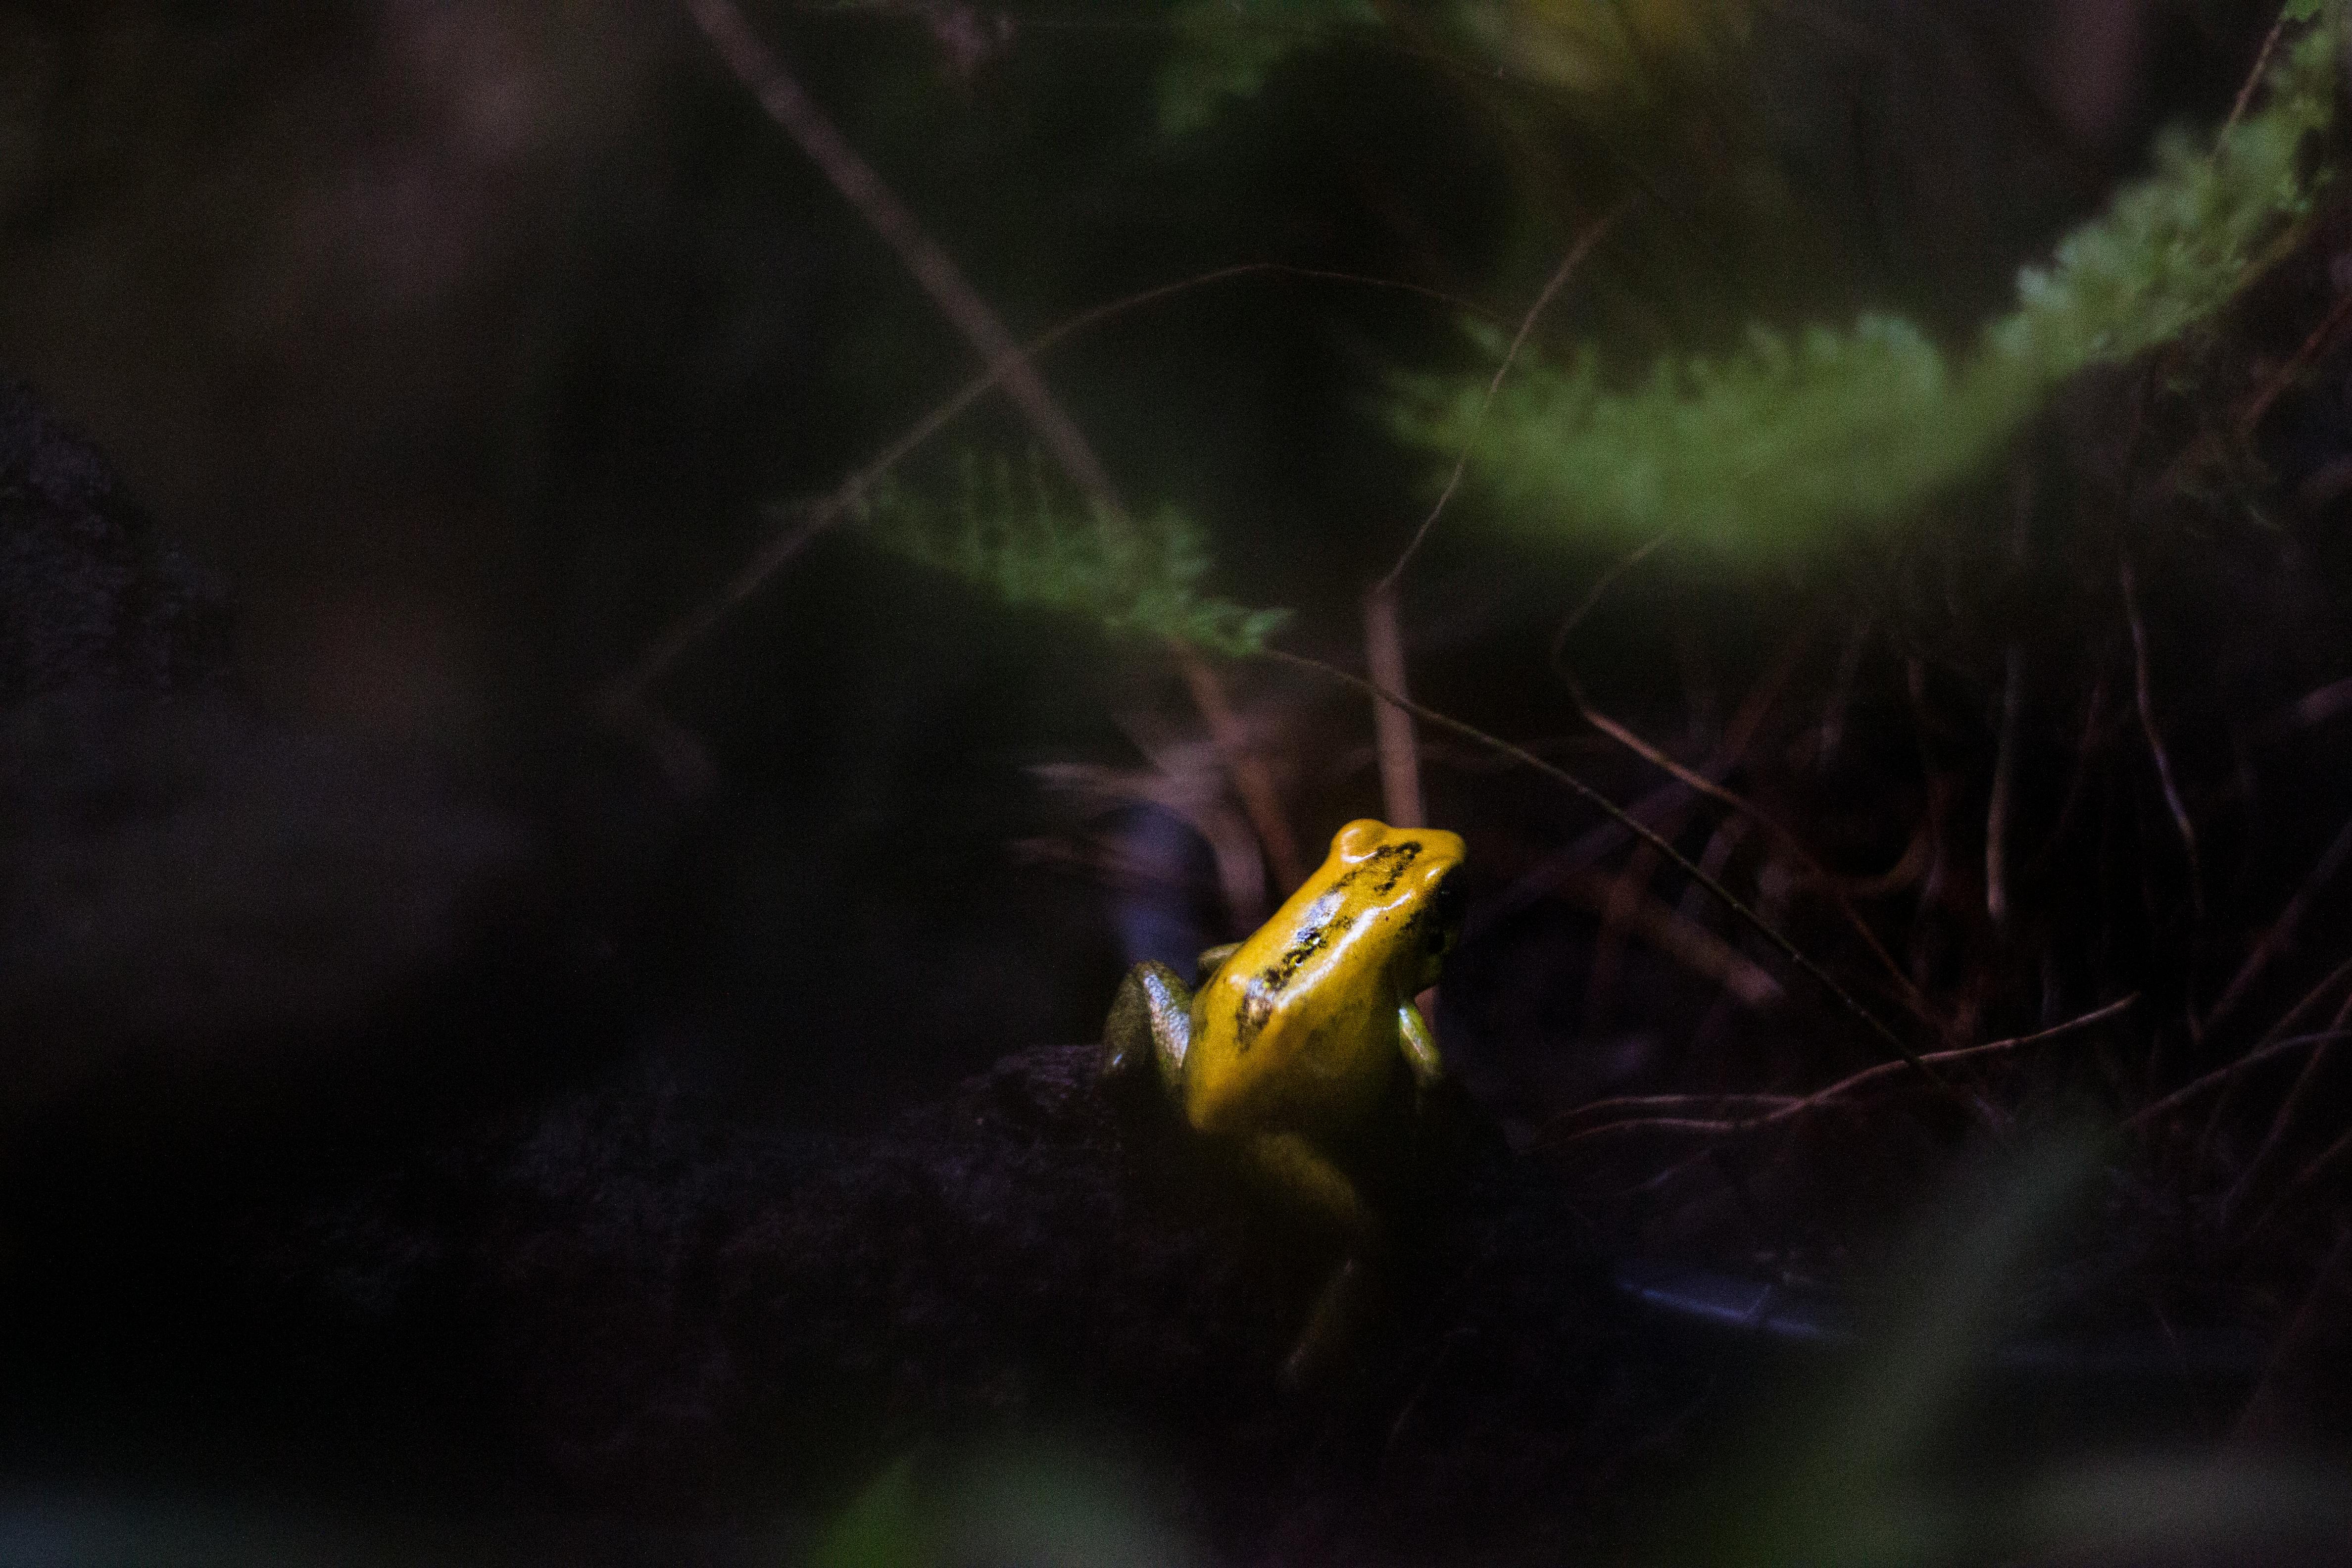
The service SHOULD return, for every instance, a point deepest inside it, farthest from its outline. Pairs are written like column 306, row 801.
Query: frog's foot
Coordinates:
column 1149, row 1024
column 1336, row 1325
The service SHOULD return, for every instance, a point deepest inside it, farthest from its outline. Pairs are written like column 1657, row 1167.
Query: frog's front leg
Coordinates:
column 1151, row 1021
column 1419, row 1046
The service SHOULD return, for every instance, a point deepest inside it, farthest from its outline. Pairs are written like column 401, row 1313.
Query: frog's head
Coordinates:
column 1405, row 880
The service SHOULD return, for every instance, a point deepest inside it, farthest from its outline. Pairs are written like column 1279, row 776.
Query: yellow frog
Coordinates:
column 1294, row 1038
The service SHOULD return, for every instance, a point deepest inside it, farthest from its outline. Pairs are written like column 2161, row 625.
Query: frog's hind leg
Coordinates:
column 1151, row 1022
column 1305, row 1177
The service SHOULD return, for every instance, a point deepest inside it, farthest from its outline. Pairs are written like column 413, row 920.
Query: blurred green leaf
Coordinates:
column 1831, row 1484
column 1042, row 1505
column 1771, row 449
column 2174, row 1506
column 885, row 1526
column 1227, row 48
column 1014, row 531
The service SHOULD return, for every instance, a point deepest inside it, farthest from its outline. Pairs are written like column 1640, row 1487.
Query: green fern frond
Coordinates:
column 1772, row 448
column 1012, row 531
column 1227, row 48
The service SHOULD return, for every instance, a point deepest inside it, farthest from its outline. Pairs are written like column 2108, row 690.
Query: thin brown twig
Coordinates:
column 1657, row 805
column 1908, row 869
column 1680, row 938
column 1797, row 1106
column 2265, row 1405
column 1848, row 669
column 2282, row 930
column 1730, row 833
column 1815, row 872
column 2004, row 768
column 1709, row 1124
column 1567, row 270
column 2222, row 1074
column 1251, row 781
column 791, row 106
column 1592, row 598
column 2284, row 1024
column 1392, row 735
column 1722, row 894
column 2312, row 707
column 2310, row 1000
column 2253, row 78
column 626, row 692
column 2303, row 1178
column 1925, row 929
column 809, row 520
column 1631, row 886
column 2329, row 326
column 2295, row 1096
column 1672, row 1102
column 2156, row 740
column 1620, row 900
column 2079, row 772
column 781, row 94
column 1661, row 804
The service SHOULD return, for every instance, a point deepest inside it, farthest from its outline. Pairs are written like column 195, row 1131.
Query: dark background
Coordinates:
column 450, row 351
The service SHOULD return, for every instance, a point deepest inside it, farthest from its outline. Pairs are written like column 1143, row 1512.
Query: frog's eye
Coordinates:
column 1442, row 917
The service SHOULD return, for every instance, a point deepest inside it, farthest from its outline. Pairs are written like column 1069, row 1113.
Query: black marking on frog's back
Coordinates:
column 1256, row 1008
column 1257, row 998
column 1389, row 863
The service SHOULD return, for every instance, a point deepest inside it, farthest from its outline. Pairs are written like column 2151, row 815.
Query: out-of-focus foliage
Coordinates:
column 1614, row 53
column 1015, row 532
column 1053, row 1506
column 1607, row 51
column 1225, row 48
column 883, row 1527
column 2175, row 248
column 1770, row 449
column 1841, row 1482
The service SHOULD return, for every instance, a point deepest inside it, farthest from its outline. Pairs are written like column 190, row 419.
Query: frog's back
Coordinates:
column 1299, row 1024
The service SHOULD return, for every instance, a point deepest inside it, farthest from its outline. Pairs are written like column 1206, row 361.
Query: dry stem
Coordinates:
column 1722, row 894
column 1814, row 871
column 2172, row 801
column 757, row 69
column 1567, row 270
column 2223, row 1075
column 1784, row 1107
column 1631, row 908
column 2282, row 930
column 1392, row 727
